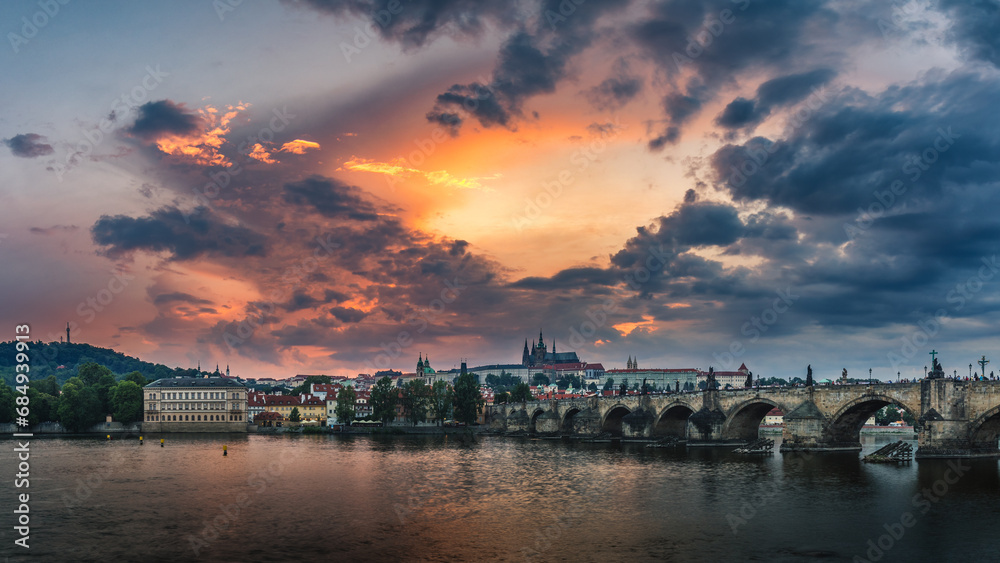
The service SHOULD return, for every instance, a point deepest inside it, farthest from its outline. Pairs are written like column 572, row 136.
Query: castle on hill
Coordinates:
column 538, row 355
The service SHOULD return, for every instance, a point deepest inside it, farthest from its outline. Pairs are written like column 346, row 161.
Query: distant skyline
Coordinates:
column 334, row 187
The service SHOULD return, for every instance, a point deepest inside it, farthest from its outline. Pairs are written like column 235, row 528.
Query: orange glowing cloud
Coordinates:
column 298, row 146
column 647, row 323
column 261, row 154
column 203, row 147
column 398, row 168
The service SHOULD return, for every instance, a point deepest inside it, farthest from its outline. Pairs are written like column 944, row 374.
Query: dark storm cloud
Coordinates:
column 975, row 28
column 163, row 118
column 856, row 145
column 774, row 93
column 571, row 278
column 330, row 198
column 348, row 314
column 28, row 145
column 711, row 44
column 416, row 22
column 531, row 61
column 169, row 230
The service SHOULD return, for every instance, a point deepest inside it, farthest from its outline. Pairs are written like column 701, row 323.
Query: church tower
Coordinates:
column 420, row 365
column 524, row 355
column 67, row 333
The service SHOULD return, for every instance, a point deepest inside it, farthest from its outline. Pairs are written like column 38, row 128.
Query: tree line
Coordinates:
column 82, row 401
column 462, row 401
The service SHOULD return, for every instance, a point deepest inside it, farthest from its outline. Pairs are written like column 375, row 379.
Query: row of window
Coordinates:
column 193, row 418
column 194, row 407
column 196, row 395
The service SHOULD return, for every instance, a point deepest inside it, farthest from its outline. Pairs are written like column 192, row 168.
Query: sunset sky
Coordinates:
column 336, row 186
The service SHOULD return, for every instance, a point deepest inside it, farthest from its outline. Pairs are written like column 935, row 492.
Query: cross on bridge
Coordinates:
column 983, row 363
column 933, row 354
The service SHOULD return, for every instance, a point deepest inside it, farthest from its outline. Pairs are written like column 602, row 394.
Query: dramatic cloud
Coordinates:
column 975, row 28
column 298, row 146
column 399, row 169
column 181, row 297
column 330, row 198
column 28, row 145
column 157, row 119
column 182, row 236
column 614, row 92
column 774, row 93
column 420, row 21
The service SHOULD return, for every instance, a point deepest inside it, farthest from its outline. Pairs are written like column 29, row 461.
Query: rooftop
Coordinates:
column 195, row 382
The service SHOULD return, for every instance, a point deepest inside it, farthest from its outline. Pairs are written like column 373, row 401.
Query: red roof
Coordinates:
column 743, row 367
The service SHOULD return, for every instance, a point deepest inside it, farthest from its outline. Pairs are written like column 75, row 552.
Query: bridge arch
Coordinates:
column 845, row 426
column 566, row 426
column 743, row 420
column 673, row 420
column 611, row 422
column 984, row 431
column 533, row 421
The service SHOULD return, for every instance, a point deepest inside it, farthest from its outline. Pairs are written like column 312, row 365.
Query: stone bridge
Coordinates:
column 954, row 418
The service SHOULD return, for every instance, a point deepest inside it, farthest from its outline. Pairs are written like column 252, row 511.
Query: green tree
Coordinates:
column 468, row 399
column 383, row 398
column 126, row 401
column 7, row 412
column 137, row 378
column 609, row 385
column 295, row 416
column 344, row 411
column 539, row 379
column 79, row 408
column 592, row 387
column 415, row 396
column 43, row 407
column 91, row 373
column 49, row 386
column 501, row 398
column 441, row 400
column 103, row 389
column 520, row 393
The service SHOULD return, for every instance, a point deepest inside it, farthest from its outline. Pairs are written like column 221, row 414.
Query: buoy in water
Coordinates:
column 161, row 442
column 109, row 436
column 140, row 441
column 224, row 452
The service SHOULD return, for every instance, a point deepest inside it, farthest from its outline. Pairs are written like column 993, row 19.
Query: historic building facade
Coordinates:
column 194, row 404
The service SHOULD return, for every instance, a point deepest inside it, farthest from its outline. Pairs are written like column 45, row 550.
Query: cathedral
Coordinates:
column 538, row 355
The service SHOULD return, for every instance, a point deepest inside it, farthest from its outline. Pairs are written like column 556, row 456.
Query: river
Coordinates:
column 367, row 498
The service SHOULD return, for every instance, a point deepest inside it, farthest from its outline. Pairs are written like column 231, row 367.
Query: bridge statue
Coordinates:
column 954, row 418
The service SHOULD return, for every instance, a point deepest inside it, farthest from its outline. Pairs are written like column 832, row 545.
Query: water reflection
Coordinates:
column 317, row 498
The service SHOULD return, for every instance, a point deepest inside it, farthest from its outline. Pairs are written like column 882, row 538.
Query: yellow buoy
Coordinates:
column 161, row 442
column 140, row 441
column 224, row 452
column 109, row 436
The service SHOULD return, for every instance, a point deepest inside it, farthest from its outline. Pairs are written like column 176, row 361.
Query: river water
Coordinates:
column 361, row 498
